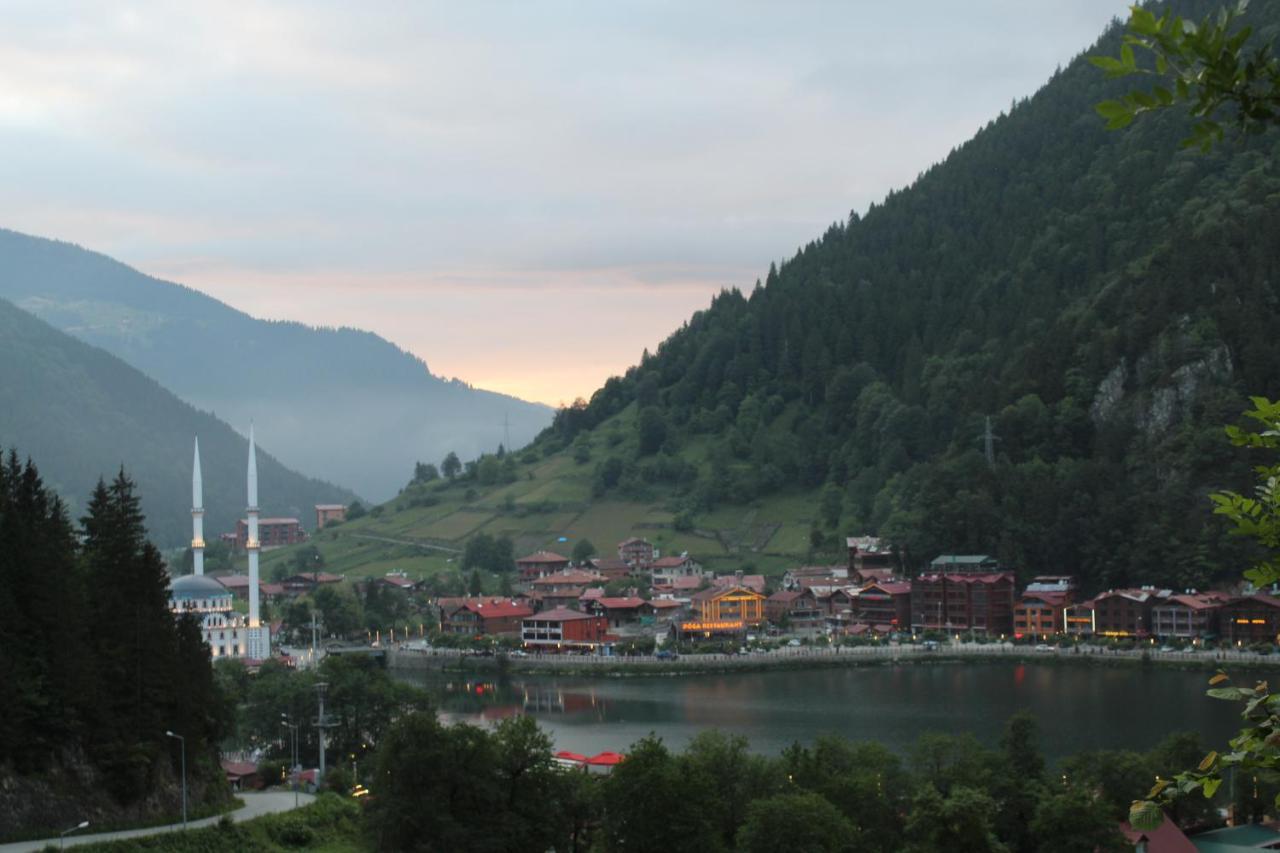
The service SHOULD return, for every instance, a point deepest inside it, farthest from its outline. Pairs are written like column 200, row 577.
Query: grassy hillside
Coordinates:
column 83, row 413
column 423, row 530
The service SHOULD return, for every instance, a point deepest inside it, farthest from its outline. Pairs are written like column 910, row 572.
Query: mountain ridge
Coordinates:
column 210, row 353
column 83, row 413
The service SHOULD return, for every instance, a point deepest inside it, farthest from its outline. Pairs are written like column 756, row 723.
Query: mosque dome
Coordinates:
column 197, row 587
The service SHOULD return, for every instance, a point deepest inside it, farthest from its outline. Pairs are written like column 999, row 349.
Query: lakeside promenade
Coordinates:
column 817, row 656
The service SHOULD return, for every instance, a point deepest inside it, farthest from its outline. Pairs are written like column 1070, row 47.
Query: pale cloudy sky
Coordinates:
column 524, row 194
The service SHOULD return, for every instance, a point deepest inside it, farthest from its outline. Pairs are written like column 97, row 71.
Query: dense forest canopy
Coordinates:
column 1107, row 300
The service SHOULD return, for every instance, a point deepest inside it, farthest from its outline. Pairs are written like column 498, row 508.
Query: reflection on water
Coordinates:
column 1079, row 707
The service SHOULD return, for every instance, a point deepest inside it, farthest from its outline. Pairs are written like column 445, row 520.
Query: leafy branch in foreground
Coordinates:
column 1203, row 65
column 1256, row 749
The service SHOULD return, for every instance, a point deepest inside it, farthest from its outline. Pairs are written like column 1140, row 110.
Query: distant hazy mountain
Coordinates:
column 81, row 413
column 342, row 404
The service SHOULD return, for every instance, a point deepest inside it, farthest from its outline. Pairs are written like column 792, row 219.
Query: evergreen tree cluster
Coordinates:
column 93, row 664
column 438, row 788
column 1107, row 300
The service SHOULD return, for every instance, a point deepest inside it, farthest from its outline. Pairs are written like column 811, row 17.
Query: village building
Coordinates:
column 1125, row 612
column 540, row 564
column 398, row 580
column 1077, row 619
column 306, row 582
column 885, row 605
column 489, row 618
column 238, row 586
column 1042, row 609
column 610, row 568
column 272, row 533
column 723, row 610
column 563, row 588
column 797, row 608
column 753, row 582
column 963, row 601
column 956, row 563
column 329, row 514
column 623, row 612
column 562, row 629
column 637, row 553
column 665, row 569
column 870, row 559
column 1187, row 616
column 226, row 631
column 1250, row 619
column 806, row 576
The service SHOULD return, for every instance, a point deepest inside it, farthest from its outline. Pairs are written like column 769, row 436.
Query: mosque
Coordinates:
column 229, row 634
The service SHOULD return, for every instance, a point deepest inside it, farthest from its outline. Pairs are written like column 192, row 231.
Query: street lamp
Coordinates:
column 184, row 774
column 62, row 837
column 293, row 742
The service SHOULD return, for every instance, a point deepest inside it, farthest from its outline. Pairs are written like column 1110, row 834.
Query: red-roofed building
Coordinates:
column 870, row 559
column 628, row 610
column 272, row 533
column 242, row 775
column 752, row 582
column 329, row 513
column 1040, row 614
column 398, row 581
column 806, row 576
column 562, row 629
column 480, row 617
column 1188, row 615
column 665, row 569
column 610, row 568
column 1166, row 838
column 308, row 581
column 542, row 563
column 1250, row 619
column 884, row 603
column 977, row 601
column 798, row 607
column 1124, row 612
column 636, row 552
column 679, row 586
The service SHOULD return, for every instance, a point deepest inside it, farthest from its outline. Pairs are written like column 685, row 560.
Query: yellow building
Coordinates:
column 725, row 609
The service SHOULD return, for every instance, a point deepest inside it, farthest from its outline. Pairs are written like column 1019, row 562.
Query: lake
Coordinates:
column 1080, row 707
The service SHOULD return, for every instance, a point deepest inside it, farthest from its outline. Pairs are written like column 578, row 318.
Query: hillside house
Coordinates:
column 540, row 564
column 969, row 601
column 490, row 618
column 795, row 607
column 561, row 630
column 666, row 569
column 635, row 552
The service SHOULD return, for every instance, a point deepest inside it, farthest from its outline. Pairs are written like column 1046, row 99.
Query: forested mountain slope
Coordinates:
column 342, row 404
column 83, row 413
column 1107, row 299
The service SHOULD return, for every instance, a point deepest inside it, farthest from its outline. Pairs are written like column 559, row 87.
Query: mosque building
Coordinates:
column 228, row 633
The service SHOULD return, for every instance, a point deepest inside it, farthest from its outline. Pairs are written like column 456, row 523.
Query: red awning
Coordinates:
column 571, row 756
column 606, row 759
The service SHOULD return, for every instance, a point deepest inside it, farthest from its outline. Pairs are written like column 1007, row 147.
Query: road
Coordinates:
column 255, row 805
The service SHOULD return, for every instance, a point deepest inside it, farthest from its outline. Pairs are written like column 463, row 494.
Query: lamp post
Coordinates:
column 62, row 837
column 184, row 774
column 293, row 742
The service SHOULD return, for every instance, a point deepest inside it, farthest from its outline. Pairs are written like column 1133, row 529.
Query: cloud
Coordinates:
column 283, row 154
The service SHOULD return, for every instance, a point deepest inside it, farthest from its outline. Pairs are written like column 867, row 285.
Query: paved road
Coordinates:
column 255, row 805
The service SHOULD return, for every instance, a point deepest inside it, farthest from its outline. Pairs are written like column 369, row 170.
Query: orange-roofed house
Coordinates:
column 562, row 630
column 636, row 552
column 622, row 611
column 542, row 563
column 492, row 618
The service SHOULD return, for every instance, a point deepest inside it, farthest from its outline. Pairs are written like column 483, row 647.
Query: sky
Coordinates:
column 525, row 195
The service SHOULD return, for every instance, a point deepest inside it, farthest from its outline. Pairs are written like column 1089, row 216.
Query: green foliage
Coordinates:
column 1106, row 304
column 451, row 466
column 489, row 553
column 583, row 550
column 789, row 822
column 1204, row 66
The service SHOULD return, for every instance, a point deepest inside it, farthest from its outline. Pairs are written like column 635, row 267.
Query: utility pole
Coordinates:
column 988, row 443
column 322, row 722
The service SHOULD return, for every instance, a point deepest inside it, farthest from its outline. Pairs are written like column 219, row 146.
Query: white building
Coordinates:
column 223, row 629
column 228, row 633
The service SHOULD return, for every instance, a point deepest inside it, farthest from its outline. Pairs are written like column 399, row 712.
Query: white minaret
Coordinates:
column 259, row 638
column 197, row 514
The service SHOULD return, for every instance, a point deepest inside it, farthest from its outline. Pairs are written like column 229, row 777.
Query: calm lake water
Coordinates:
column 1079, row 707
